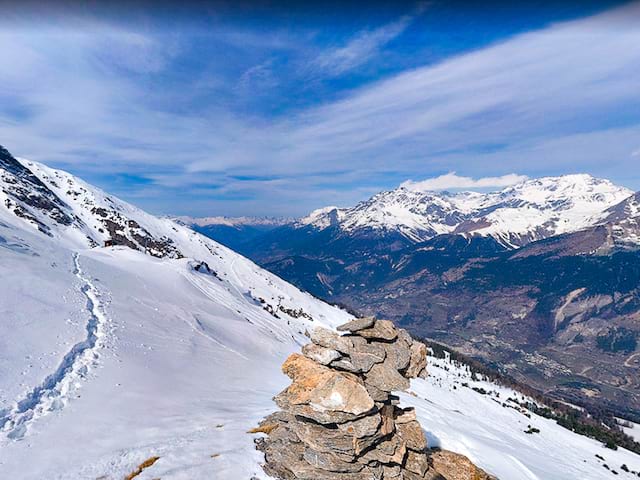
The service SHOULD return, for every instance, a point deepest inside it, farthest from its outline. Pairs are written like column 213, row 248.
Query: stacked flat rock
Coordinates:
column 339, row 419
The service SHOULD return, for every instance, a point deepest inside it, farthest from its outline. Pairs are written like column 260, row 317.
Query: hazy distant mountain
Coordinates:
column 234, row 221
column 234, row 232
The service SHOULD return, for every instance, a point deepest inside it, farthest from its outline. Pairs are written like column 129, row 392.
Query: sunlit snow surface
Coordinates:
column 633, row 430
column 109, row 356
column 189, row 364
column 460, row 419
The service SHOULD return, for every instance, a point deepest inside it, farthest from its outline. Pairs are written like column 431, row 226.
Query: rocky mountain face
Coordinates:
column 28, row 198
column 66, row 208
column 339, row 419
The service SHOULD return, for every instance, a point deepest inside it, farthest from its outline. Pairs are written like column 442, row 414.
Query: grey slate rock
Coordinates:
column 357, row 324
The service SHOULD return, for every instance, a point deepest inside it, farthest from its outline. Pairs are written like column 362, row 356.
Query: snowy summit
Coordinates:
column 519, row 214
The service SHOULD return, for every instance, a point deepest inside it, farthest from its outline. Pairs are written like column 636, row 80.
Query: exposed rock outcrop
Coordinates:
column 453, row 466
column 339, row 419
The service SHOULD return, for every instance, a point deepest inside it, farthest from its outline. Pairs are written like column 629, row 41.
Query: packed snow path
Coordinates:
column 53, row 393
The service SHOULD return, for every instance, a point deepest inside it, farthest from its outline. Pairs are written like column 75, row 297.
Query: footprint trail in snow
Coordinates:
column 53, row 393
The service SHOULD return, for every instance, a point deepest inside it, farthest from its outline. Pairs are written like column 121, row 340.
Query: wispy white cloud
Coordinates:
column 452, row 181
column 259, row 76
column 540, row 84
column 362, row 47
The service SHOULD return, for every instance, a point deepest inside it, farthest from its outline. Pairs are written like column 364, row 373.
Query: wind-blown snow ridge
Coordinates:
column 52, row 393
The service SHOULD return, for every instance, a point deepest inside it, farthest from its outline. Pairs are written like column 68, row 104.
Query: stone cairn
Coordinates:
column 339, row 419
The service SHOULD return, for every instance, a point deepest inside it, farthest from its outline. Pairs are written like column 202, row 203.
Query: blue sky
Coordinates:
column 276, row 109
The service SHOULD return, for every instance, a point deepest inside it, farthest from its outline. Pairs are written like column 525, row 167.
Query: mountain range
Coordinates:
column 541, row 277
column 132, row 346
column 513, row 217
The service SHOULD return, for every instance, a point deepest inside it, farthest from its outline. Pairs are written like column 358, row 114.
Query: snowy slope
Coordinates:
column 633, row 430
column 516, row 215
column 110, row 355
column 490, row 430
column 188, row 363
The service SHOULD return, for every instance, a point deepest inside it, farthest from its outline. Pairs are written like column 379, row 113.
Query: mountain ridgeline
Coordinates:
column 542, row 278
column 120, row 315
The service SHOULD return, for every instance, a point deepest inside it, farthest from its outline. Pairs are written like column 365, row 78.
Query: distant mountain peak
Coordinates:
column 528, row 211
column 322, row 217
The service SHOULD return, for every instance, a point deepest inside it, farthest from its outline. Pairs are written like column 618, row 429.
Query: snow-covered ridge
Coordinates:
column 102, row 218
column 516, row 215
column 323, row 217
column 166, row 340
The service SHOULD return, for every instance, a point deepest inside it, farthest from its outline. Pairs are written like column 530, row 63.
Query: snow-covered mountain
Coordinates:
column 624, row 220
column 517, row 215
column 614, row 230
column 166, row 344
